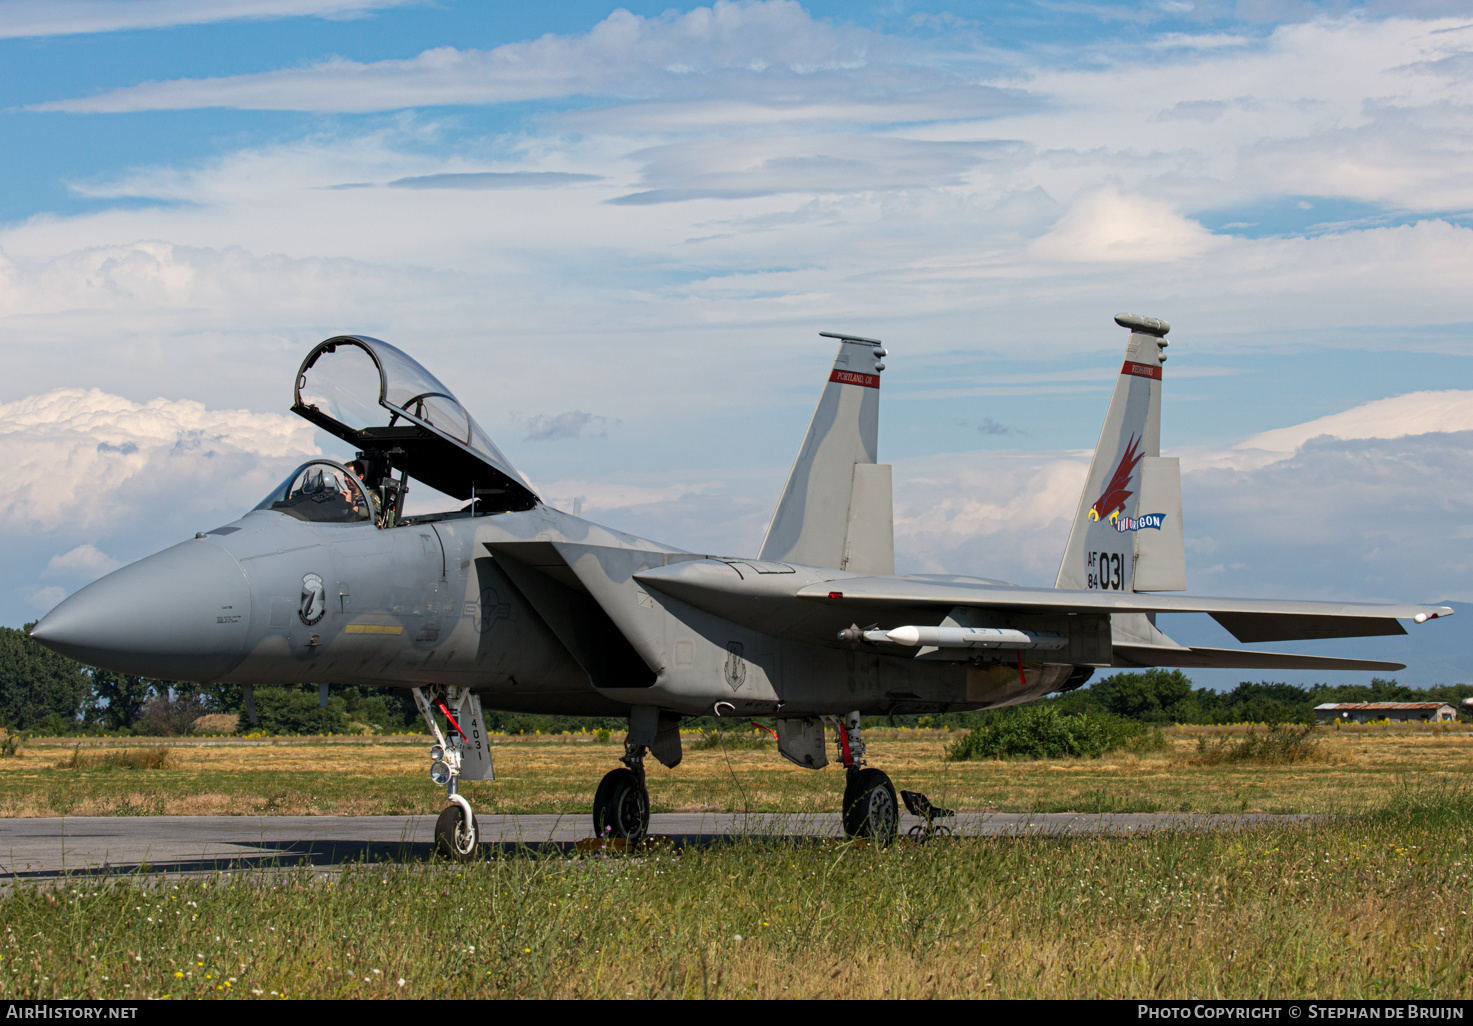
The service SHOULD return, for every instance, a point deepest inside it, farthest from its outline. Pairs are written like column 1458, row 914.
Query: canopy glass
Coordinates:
column 321, row 492
column 375, row 396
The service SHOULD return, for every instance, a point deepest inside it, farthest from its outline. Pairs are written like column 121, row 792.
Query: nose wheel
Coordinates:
column 453, row 840
column 464, row 754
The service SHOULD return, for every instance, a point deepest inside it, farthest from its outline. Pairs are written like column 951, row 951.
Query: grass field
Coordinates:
column 1372, row 906
column 1355, row 769
column 1371, row 902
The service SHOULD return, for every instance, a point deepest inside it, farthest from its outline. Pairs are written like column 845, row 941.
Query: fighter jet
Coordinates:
column 508, row 603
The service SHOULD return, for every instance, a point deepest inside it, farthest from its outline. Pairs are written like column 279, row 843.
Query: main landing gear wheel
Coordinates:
column 621, row 807
column 870, row 806
column 452, row 840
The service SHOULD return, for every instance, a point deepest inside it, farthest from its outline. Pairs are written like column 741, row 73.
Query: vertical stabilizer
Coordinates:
column 1127, row 532
column 836, row 510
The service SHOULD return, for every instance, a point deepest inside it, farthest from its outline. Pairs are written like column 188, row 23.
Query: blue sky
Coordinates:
column 619, row 230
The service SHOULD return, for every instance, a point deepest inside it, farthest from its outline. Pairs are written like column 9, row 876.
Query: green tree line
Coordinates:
column 46, row 693
column 42, row 692
column 1167, row 696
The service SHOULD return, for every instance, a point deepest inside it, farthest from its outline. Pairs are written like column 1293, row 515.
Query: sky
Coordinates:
column 617, row 232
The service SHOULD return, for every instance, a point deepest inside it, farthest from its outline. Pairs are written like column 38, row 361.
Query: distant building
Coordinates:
column 1396, row 712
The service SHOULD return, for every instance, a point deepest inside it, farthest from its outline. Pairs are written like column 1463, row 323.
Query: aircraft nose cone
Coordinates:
column 182, row 614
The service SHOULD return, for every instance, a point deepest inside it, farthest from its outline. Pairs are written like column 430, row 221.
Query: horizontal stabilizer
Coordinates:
column 1252, row 629
column 1239, row 659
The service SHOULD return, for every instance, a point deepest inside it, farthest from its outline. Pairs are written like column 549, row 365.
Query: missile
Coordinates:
column 957, row 637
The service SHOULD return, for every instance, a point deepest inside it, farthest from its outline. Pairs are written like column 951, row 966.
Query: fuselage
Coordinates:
column 536, row 611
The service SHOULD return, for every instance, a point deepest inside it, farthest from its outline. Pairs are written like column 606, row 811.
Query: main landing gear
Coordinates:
column 464, row 754
column 621, row 806
column 871, row 808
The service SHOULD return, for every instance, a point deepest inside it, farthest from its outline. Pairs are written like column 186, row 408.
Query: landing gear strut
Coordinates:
column 457, row 833
column 871, row 808
column 621, row 806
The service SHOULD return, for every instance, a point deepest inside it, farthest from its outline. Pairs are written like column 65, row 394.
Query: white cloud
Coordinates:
column 997, row 514
column 918, row 227
column 84, row 459
column 1103, row 225
column 1417, row 413
column 669, row 245
column 623, row 55
column 21, row 18
column 701, row 513
column 560, row 427
column 1368, row 519
column 1372, row 504
column 45, row 598
column 85, row 562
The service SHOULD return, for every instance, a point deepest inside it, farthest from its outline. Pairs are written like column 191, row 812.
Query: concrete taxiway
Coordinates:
column 39, row 848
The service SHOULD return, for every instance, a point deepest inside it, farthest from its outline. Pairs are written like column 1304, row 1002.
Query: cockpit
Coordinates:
column 402, row 420
column 322, row 492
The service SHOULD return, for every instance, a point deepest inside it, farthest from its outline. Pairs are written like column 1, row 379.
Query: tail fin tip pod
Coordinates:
column 1127, row 531
column 836, row 510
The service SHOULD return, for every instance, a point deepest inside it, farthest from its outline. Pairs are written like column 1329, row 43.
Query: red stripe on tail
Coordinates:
column 844, row 377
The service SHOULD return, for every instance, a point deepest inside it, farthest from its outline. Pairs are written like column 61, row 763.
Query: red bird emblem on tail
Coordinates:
column 1109, row 505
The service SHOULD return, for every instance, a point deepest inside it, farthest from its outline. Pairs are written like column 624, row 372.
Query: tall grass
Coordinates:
column 1278, row 745
column 729, row 740
column 1373, row 906
column 1040, row 732
column 150, row 757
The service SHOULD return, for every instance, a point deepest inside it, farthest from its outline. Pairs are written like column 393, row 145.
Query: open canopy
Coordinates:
column 378, row 399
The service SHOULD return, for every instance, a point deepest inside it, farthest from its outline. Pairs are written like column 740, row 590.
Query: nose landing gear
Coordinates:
column 464, row 754
column 452, row 840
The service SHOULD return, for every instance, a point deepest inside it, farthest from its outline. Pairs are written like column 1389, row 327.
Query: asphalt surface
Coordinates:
column 41, row 848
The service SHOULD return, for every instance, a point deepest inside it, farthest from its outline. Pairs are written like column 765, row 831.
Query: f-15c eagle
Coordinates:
column 509, row 603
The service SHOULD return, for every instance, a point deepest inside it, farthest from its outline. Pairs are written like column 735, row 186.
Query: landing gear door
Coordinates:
column 475, row 756
column 801, row 742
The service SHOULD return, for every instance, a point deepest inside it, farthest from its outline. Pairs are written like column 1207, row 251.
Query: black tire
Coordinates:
column 621, row 807
column 871, row 808
column 451, row 841
column 850, row 775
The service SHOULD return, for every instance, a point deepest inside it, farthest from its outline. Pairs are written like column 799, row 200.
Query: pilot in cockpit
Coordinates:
column 353, row 495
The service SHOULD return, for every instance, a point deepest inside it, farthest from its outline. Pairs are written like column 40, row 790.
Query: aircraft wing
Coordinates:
column 1248, row 620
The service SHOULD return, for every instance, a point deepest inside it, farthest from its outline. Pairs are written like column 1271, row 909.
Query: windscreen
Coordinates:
column 320, row 493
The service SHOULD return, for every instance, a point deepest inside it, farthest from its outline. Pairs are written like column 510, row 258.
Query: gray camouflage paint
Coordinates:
column 541, row 611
